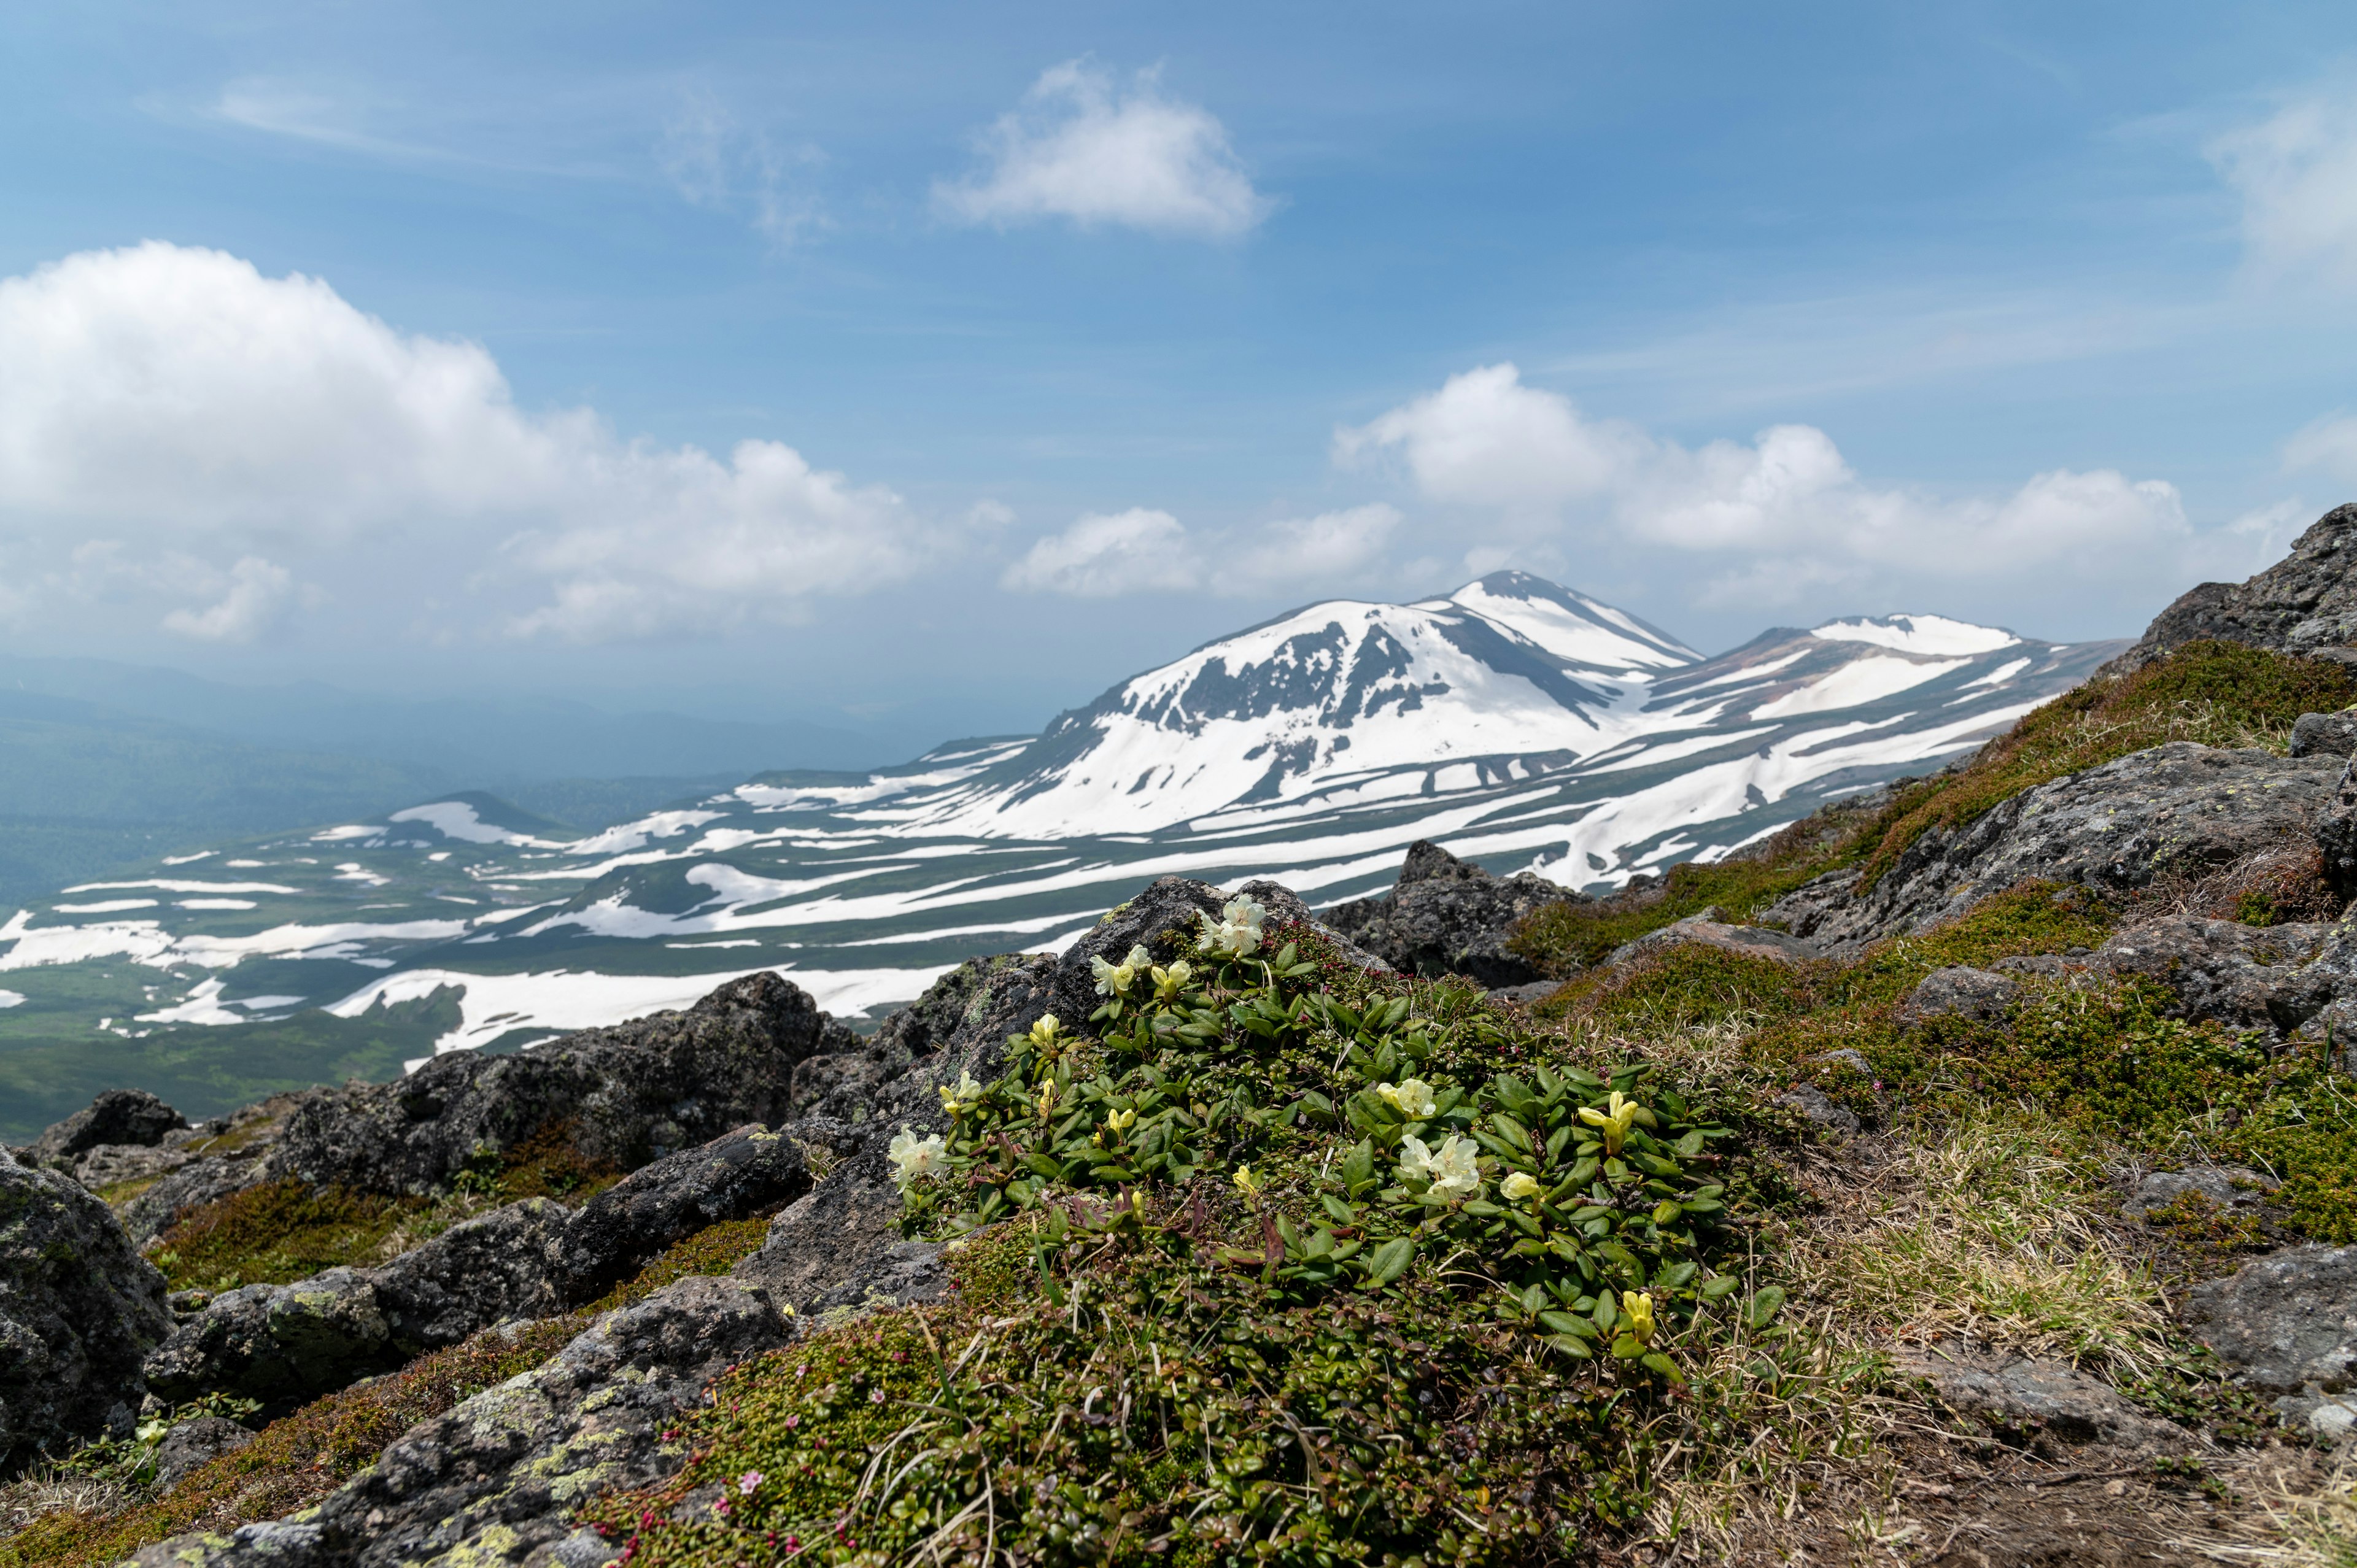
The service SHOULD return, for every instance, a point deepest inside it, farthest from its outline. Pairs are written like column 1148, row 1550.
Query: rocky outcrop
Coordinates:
column 278, row 1342
column 743, row 1173
column 1707, row 930
column 130, row 1117
column 1446, row 916
column 2306, row 603
column 497, row 1479
column 2180, row 808
column 2288, row 1324
column 79, row 1310
column 625, row 1095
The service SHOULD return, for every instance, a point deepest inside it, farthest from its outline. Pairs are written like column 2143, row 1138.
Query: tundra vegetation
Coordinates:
column 1280, row 1260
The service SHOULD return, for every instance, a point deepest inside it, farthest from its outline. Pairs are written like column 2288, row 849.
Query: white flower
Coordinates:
column 1449, row 1168
column 1411, row 1098
column 913, row 1157
column 1114, row 979
column 1237, row 931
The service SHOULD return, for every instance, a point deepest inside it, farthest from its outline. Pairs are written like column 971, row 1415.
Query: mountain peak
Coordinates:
column 1936, row 635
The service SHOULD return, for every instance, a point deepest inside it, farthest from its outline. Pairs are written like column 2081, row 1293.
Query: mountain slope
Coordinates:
column 1525, row 726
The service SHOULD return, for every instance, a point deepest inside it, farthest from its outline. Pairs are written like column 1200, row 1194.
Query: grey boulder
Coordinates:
column 2230, row 1188
column 79, row 1311
column 2023, row 1397
column 122, row 1116
column 1706, row 931
column 277, row 1343
column 1960, row 991
column 196, row 1442
column 736, row 1175
column 2325, row 735
column 2286, row 1323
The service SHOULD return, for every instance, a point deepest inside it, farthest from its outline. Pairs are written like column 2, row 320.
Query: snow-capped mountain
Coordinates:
column 1523, row 724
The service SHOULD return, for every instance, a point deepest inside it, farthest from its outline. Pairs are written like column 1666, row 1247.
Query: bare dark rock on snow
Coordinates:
column 2286, row 1323
column 79, row 1309
column 1961, row 992
column 1446, row 916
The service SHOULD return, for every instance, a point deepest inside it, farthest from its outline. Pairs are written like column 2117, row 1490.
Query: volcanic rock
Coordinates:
column 1446, row 916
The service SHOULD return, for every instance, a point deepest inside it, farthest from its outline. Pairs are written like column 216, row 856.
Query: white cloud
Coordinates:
column 1080, row 148
column 2330, row 444
column 1779, row 517
column 180, row 401
column 717, row 164
column 2297, row 174
column 1296, row 553
column 255, row 598
column 1105, row 554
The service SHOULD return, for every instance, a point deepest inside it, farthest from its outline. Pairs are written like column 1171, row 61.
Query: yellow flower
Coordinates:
column 1246, row 1182
column 1046, row 1100
column 967, row 1094
column 1518, row 1186
column 1411, row 1098
column 1114, row 979
column 1637, row 1306
column 1120, row 1121
column 1169, row 982
column 1616, row 1119
column 1044, row 1032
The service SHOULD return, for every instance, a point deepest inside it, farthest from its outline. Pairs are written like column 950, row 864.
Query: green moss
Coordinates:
column 276, row 1233
column 1691, row 986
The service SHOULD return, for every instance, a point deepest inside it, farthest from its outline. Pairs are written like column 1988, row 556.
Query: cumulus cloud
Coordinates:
column 1106, row 554
column 1280, row 557
column 2297, row 174
column 181, row 397
column 1080, row 147
column 1779, row 517
column 255, row 598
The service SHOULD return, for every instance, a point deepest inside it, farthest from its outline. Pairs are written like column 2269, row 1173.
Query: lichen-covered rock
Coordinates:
column 840, row 1244
column 281, row 1342
column 1706, row 930
column 627, row 1094
column 2286, row 1323
column 735, row 1176
column 1960, row 991
column 2305, row 603
column 196, row 1442
column 1446, row 916
column 112, row 1165
column 130, row 1116
column 2027, row 1400
column 497, row 1479
column 2325, row 735
column 2231, row 1187
column 79, row 1310
column 2175, row 808
column 1820, row 1108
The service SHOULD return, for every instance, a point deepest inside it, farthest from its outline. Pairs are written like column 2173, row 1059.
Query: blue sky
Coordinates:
column 418, row 346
